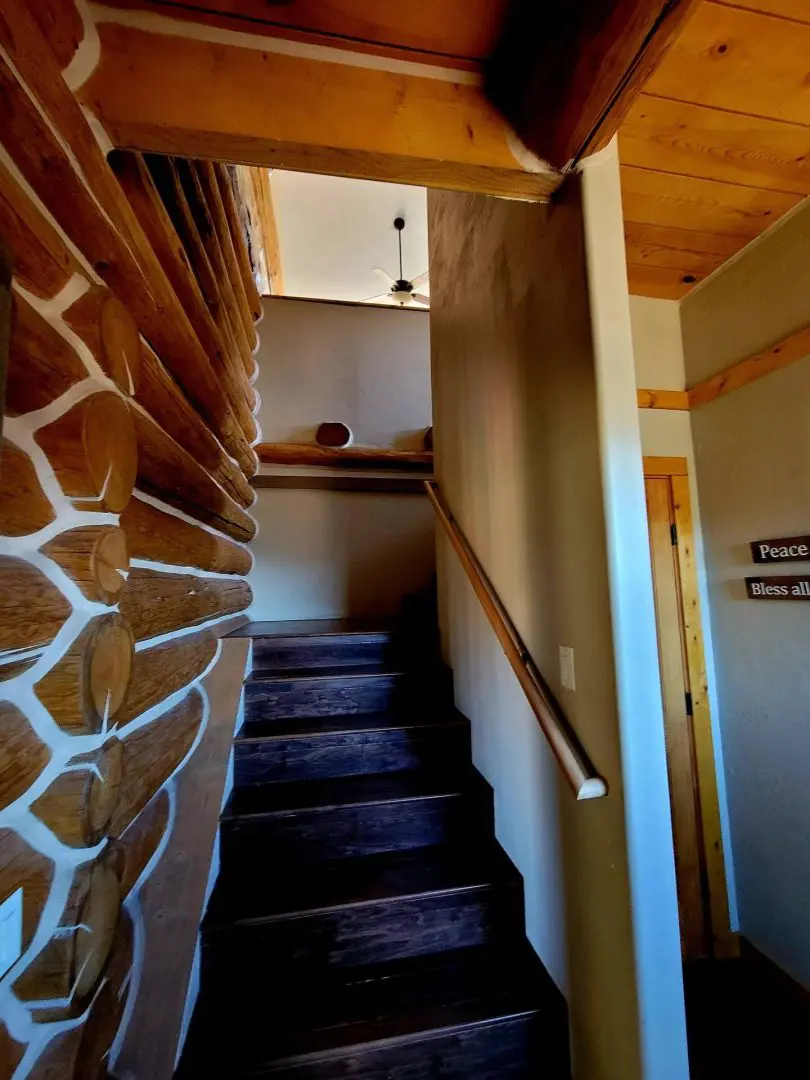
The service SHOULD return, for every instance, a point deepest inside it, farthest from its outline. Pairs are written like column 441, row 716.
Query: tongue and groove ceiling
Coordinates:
column 714, row 151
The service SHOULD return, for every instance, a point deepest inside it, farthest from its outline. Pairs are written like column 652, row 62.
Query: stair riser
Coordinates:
column 343, row 695
column 359, row 753
column 509, row 1050
column 306, row 653
column 308, row 946
column 345, row 832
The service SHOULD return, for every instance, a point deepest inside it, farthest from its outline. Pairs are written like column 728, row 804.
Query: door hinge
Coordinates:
column 689, row 706
column 673, row 532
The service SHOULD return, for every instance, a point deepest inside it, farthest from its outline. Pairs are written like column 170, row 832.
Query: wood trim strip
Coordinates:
column 665, row 466
column 577, row 768
column 352, row 457
column 784, row 352
column 725, row 943
column 673, row 400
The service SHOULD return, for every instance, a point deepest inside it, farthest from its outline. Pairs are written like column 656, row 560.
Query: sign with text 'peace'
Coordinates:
column 790, row 549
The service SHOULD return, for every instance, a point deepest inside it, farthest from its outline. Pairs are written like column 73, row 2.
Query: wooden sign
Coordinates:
column 778, row 588
column 791, row 549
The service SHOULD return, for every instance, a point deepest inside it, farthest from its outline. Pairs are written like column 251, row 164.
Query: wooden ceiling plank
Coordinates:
column 688, row 262
column 738, row 60
column 451, row 30
column 673, row 136
column 658, row 281
column 196, row 98
column 783, row 9
column 688, row 240
column 565, row 74
column 688, row 202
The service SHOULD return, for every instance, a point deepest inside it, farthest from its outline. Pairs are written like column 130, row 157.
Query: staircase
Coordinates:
column 365, row 923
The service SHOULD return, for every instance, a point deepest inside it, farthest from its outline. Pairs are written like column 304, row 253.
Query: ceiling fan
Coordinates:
column 401, row 292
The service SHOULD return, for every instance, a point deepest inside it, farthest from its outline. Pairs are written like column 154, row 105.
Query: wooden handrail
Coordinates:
column 566, row 747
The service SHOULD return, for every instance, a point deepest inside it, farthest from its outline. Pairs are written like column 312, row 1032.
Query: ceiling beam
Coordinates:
column 565, row 74
column 264, row 102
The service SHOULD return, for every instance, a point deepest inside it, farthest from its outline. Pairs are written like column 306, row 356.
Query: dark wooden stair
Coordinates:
column 365, row 923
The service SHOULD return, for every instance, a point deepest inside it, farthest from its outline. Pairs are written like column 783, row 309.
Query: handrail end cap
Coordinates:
column 593, row 788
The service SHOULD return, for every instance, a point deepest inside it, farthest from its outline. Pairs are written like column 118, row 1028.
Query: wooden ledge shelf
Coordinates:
column 353, row 457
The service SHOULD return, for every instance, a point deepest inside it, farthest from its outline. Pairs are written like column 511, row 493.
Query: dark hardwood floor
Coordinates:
column 365, row 924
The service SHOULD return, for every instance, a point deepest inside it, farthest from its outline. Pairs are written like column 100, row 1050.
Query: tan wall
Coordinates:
column 522, row 415
column 753, row 469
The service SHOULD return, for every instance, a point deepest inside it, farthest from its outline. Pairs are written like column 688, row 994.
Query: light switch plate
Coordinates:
column 11, row 930
column 568, row 676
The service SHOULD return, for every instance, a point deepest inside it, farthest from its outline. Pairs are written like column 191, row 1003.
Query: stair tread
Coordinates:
column 249, row 897
column 397, row 1001
column 365, row 670
column 390, row 720
column 316, row 628
column 298, row 795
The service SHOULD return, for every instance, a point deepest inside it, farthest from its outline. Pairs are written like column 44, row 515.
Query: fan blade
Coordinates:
column 420, row 280
column 384, row 273
column 385, row 297
column 421, row 298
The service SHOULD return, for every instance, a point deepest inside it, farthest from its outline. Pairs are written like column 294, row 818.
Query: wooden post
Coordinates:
column 78, row 805
column 24, row 506
column 161, row 537
column 89, row 682
column 95, row 557
column 109, row 331
column 93, row 453
column 226, row 191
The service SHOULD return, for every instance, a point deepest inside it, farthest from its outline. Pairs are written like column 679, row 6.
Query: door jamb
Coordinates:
column 676, row 470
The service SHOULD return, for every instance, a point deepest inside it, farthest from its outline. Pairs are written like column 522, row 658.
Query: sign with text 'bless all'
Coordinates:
column 791, row 549
column 779, row 588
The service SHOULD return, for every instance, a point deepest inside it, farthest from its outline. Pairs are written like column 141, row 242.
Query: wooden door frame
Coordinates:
column 676, row 470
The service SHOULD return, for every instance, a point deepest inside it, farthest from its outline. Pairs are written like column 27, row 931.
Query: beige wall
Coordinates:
column 330, row 554
column 538, row 454
column 752, row 450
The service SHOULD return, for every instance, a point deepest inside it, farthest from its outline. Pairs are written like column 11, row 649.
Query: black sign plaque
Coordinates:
column 790, row 549
column 778, row 588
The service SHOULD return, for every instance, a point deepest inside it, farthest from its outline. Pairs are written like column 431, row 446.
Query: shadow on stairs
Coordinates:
column 365, row 922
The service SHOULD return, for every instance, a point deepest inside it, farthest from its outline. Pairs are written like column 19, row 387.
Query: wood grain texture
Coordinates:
column 687, row 202
column 24, row 506
column 95, row 557
column 566, row 75
column 11, row 1051
column 43, row 263
column 41, row 364
column 171, row 474
column 263, row 194
column 226, row 190
column 62, row 25
column 78, row 805
column 58, row 1060
column 362, row 457
column 736, row 148
column 32, row 610
column 677, row 400
column 93, row 452
column 211, row 101
column 107, row 1010
column 59, row 982
column 89, row 681
column 660, row 282
column 165, row 538
column 91, row 210
column 738, row 60
column 109, row 331
column 140, row 840
column 151, row 755
column 785, row 352
column 23, row 755
column 23, row 867
column 159, row 603
column 140, row 189
column 163, row 398
column 164, row 669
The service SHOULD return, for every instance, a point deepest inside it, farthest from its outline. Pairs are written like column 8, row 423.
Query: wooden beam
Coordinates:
column 566, row 74
column 263, row 192
column 238, row 239
column 673, row 400
column 353, row 457
column 262, row 106
column 780, row 355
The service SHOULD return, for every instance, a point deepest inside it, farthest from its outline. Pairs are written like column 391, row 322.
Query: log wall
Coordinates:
column 127, row 451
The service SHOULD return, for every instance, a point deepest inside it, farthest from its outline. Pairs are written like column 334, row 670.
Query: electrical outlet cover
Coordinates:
column 568, row 676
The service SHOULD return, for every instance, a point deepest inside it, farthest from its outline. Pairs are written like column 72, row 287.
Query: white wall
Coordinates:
column 539, row 456
column 334, row 554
